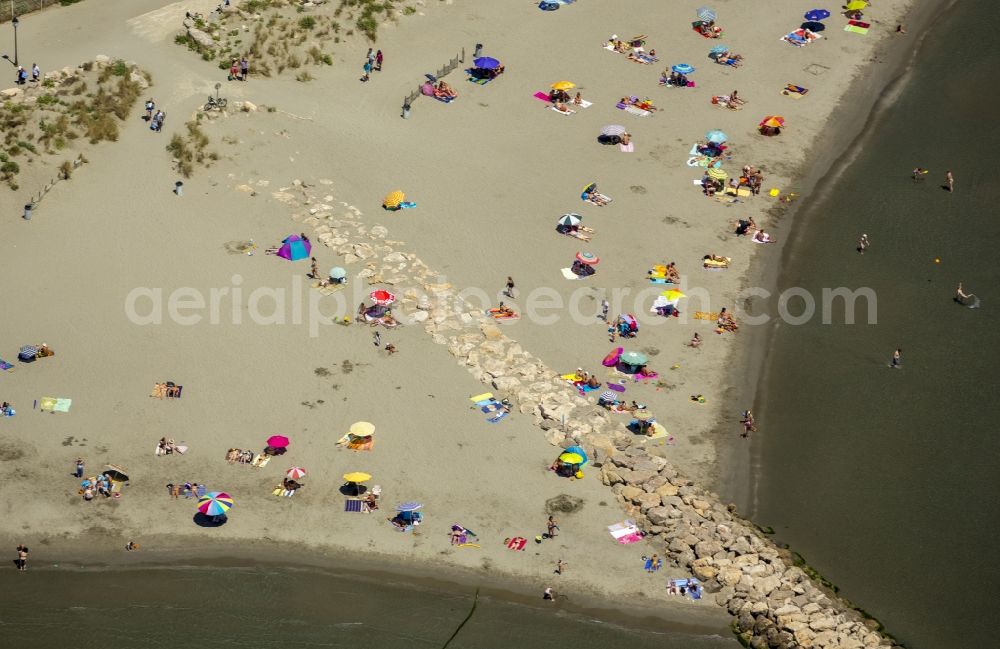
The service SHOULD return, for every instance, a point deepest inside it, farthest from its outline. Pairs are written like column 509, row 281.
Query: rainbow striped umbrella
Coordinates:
column 215, row 503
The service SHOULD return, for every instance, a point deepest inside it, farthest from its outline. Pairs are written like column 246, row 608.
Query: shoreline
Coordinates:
column 865, row 101
column 170, row 553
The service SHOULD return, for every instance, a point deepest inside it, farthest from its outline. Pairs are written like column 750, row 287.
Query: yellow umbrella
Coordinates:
column 717, row 174
column 856, row 5
column 774, row 121
column 563, row 85
column 357, row 476
column 362, row 429
column 672, row 294
column 393, row 199
column 571, row 458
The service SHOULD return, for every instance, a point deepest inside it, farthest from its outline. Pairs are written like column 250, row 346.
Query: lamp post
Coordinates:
column 14, row 21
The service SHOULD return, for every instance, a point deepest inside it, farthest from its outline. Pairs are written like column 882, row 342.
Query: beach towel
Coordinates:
column 481, row 397
column 584, row 103
column 498, row 418
column 353, row 506
column 627, row 148
column 857, row 27
column 793, row 91
column 801, row 37
column 638, row 112
column 542, row 96
column 5, row 366
column 706, row 315
column 659, row 432
column 625, row 532
column 563, row 112
column 516, row 543
column 569, row 274
column 606, row 199
column 261, row 461
column 54, row 404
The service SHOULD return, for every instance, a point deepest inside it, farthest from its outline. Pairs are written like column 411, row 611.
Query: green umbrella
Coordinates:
column 633, row 358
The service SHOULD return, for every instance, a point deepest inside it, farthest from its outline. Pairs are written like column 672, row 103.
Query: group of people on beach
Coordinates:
column 21, row 77
column 373, row 63
column 153, row 116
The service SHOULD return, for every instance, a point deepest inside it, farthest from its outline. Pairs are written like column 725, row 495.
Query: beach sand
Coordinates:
column 491, row 173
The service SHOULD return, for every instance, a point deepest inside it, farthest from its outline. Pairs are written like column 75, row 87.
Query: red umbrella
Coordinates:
column 278, row 441
column 382, row 297
column 587, row 258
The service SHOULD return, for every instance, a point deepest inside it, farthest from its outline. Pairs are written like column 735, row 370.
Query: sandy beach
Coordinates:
column 490, row 173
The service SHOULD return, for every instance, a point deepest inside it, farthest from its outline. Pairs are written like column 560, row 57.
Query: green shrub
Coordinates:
column 307, row 22
column 119, row 68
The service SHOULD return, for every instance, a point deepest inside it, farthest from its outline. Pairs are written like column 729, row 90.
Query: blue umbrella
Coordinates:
column 817, row 14
column 682, row 68
column 706, row 14
column 409, row 507
column 716, row 137
column 719, row 49
column 579, row 451
column 486, row 63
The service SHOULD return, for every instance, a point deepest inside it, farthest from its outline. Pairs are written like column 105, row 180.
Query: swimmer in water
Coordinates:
column 919, row 173
column 961, row 296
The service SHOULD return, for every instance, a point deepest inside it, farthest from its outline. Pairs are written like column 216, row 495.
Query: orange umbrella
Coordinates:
column 774, row 121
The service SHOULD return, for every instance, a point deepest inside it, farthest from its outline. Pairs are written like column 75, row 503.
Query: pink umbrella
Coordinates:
column 278, row 441
column 587, row 258
column 382, row 297
column 295, row 473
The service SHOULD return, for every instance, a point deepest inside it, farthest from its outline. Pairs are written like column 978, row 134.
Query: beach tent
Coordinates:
column 294, row 248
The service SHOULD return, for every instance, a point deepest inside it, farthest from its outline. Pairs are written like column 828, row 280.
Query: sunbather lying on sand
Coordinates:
column 762, row 237
column 563, row 108
column 726, row 322
column 735, row 60
column 442, row 89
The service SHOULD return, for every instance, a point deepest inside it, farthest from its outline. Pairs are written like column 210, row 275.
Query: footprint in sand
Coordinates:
column 321, row 371
column 638, row 189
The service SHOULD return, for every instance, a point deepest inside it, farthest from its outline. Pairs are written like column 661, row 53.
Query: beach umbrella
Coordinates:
column 486, row 63
column 570, row 219
column 579, row 451
column 719, row 49
column 295, row 473
column 634, row 358
column 337, row 273
column 393, row 198
column 28, row 351
column 716, row 137
column 642, row 415
column 382, row 297
column 410, row 506
column 716, row 174
column 613, row 129
column 672, row 295
column 706, row 14
column 362, row 429
column 357, row 477
column 817, row 14
column 563, row 85
column 682, row 68
column 856, row 5
column 774, row 121
column 813, row 26
column 588, row 258
column 278, row 441
column 608, row 395
column 571, row 458
column 215, row 503
column 294, row 248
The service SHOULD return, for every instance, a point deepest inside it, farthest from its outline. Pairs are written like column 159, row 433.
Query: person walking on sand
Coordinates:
column 150, row 107
column 378, row 61
column 244, row 69
column 377, row 339
column 509, row 289
column 897, row 359
column 949, row 181
column 605, row 307
column 36, row 73
column 79, row 460
column 368, row 71
column 863, row 243
column 22, row 557
column 552, row 525
column 313, row 268
column 560, row 564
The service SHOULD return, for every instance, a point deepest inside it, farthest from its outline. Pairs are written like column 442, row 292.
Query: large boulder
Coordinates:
column 203, row 39
column 661, row 516
column 11, row 93
column 707, row 548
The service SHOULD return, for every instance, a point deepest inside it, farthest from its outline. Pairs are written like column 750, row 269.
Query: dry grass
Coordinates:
column 64, row 111
column 191, row 149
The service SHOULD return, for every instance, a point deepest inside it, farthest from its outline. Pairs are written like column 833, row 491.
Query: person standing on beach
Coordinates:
column 150, row 107
column 560, row 564
column 368, row 71
column 509, row 290
column 22, row 557
column 863, row 243
column 897, row 359
column 605, row 307
column 244, row 69
column 79, row 460
column 378, row 61
column 313, row 268
column 36, row 73
column 377, row 339
column 949, row 181
column 552, row 525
